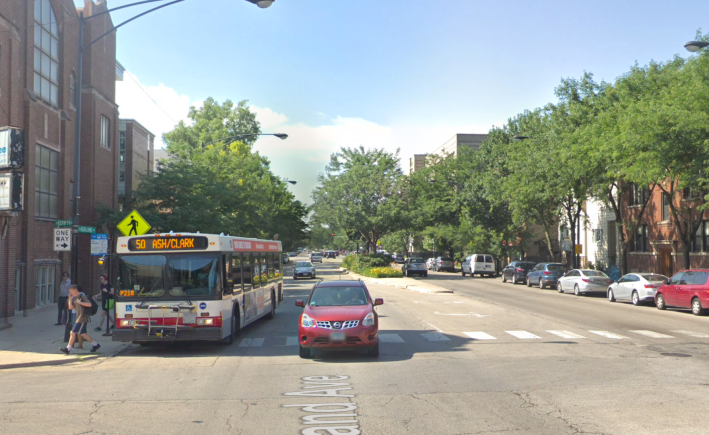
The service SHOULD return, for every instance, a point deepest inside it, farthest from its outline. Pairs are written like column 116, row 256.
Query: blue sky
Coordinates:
column 405, row 74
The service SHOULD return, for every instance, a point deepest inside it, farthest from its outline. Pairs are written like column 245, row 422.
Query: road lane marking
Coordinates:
column 692, row 333
column 651, row 334
column 566, row 334
column 252, row 342
column 291, row 341
column 434, row 336
column 461, row 314
column 390, row 338
column 479, row 335
column 608, row 335
column 524, row 335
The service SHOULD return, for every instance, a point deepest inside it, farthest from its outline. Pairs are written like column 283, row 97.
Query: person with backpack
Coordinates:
column 84, row 307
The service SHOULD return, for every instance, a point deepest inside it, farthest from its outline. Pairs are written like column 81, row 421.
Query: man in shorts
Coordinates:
column 81, row 303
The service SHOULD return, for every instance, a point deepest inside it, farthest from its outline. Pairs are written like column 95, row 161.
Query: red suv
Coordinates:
column 339, row 315
column 686, row 289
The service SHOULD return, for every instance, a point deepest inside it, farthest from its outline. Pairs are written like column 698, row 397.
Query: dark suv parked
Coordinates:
column 517, row 271
column 545, row 274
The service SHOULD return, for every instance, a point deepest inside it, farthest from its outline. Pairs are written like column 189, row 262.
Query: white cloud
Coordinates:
column 135, row 104
column 307, row 150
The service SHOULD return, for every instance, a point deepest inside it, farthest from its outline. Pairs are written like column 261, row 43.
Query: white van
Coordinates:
column 482, row 264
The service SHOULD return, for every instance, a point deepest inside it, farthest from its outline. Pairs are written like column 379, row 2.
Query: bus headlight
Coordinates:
column 306, row 321
column 128, row 322
column 205, row 321
column 368, row 320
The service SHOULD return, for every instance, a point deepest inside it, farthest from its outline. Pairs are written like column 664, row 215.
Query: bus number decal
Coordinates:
column 127, row 293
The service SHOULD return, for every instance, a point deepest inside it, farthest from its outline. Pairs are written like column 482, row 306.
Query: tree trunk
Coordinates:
column 547, row 236
column 686, row 248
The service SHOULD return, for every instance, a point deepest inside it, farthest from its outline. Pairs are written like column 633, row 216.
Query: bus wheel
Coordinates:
column 272, row 314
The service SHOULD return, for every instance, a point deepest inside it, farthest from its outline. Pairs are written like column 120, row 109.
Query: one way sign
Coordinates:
column 62, row 239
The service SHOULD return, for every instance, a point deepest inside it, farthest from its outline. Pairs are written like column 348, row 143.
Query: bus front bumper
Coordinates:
column 167, row 334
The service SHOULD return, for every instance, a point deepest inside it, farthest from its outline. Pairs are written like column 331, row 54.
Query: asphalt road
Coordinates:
column 482, row 360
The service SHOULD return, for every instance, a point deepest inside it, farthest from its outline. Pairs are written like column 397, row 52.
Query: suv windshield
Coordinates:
column 337, row 296
column 303, row 264
column 150, row 276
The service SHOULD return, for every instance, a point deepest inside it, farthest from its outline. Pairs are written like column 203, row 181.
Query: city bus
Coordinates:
column 193, row 287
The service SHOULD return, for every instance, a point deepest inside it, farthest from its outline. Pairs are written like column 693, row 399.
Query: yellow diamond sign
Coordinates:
column 134, row 225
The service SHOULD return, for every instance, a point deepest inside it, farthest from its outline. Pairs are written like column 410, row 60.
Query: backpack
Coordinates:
column 94, row 306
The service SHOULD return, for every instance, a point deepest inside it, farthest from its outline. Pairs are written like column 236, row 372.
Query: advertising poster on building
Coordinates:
column 5, row 191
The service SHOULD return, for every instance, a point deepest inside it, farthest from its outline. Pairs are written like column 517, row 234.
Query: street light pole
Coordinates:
column 76, row 194
column 281, row 136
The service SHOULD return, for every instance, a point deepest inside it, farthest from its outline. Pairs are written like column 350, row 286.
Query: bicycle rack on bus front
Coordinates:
column 165, row 308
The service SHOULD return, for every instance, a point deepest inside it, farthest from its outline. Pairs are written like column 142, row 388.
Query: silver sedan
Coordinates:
column 584, row 281
column 636, row 287
column 303, row 269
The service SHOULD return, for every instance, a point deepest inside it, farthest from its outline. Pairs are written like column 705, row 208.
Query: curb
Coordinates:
column 56, row 362
column 439, row 290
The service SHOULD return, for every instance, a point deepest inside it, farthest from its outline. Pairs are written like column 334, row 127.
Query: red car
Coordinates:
column 339, row 315
column 686, row 289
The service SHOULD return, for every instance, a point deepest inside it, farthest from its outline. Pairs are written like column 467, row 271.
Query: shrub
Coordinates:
column 357, row 263
column 381, row 272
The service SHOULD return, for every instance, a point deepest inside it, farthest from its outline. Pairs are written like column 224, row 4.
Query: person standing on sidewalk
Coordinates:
column 107, row 305
column 62, row 310
column 79, row 302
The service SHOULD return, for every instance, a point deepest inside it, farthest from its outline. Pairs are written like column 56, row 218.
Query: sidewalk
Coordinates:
column 403, row 283
column 34, row 341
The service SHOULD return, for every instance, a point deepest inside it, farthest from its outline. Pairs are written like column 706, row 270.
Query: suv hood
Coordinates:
column 356, row 312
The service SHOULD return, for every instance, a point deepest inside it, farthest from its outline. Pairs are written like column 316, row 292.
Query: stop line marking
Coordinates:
column 566, row 334
column 524, row 335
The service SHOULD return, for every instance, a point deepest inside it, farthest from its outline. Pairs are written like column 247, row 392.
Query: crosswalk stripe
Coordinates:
column 291, row 341
column 566, row 334
column 524, row 335
column 692, row 333
column 390, row 338
column 651, row 334
column 252, row 342
column 608, row 335
column 479, row 335
column 434, row 336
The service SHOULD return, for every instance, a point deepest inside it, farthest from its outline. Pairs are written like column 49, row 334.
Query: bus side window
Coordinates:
column 264, row 269
column 236, row 272
column 228, row 282
column 247, row 272
column 278, row 266
column 256, row 270
column 271, row 267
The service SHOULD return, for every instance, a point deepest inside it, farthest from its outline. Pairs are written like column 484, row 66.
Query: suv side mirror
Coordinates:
column 299, row 303
column 378, row 301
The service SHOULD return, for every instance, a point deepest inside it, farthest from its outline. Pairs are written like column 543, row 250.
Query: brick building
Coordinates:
column 38, row 91
column 135, row 159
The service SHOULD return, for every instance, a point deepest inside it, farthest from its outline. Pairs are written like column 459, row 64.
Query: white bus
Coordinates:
column 185, row 287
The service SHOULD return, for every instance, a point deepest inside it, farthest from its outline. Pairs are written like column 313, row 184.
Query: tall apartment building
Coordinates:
column 136, row 158
column 38, row 95
column 450, row 147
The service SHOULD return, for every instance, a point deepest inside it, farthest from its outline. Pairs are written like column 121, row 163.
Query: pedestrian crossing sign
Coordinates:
column 134, row 225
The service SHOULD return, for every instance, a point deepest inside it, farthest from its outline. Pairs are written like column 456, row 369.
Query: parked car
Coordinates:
column 483, row 264
column 286, row 258
column 635, row 287
column 339, row 315
column 316, row 257
column 517, row 271
column 584, row 281
column 545, row 274
column 430, row 262
column 291, row 254
column 445, row 264
column 686, row 289
column 303, row 269
column 399, row 259
column 414, row 266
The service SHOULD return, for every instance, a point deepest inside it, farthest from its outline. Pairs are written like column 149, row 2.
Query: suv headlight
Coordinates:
column 306, row 321
column 368, row 320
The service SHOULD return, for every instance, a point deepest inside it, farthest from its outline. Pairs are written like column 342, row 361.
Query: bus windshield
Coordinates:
column 167, row 276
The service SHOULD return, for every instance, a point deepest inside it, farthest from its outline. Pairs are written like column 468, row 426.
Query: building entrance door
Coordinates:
column 666, row 261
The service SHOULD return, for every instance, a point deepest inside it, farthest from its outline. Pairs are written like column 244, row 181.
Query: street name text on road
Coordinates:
column 62, row 239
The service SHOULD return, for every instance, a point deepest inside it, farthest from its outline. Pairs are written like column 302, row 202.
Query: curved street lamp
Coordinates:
column 521, row 137
column 695, row 46
column 281, row 136
column 76, row 194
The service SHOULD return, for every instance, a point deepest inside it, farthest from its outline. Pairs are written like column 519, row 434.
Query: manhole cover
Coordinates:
column 680, row 355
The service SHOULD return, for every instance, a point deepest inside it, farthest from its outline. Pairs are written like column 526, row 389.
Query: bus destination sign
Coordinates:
column 177, row 243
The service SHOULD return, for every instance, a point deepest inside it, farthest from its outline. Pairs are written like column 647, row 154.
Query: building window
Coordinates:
column 46, row 53
column 46, row 188
column 72, row 91
column 44, row 287
column 122, row 176
column 700, row 243
column 638, row 196
column 641, row 242
column 105, row 132
column 665, row 207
